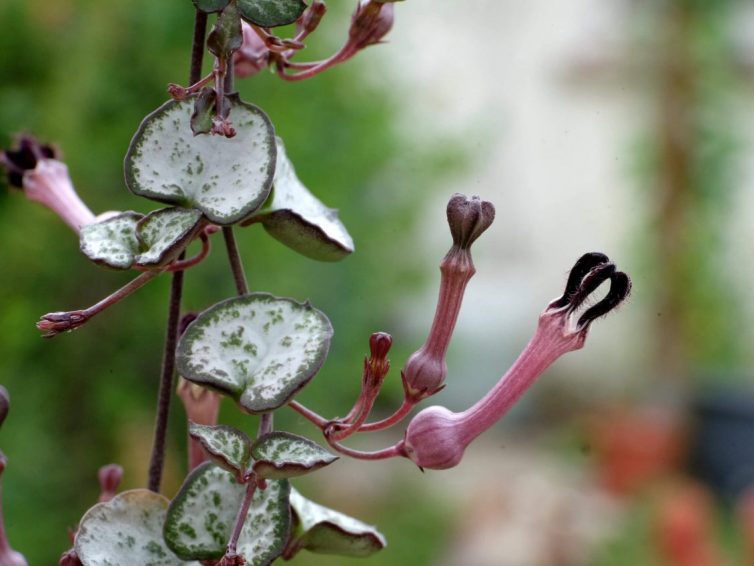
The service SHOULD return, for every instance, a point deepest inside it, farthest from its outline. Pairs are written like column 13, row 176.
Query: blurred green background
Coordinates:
column 628, row 135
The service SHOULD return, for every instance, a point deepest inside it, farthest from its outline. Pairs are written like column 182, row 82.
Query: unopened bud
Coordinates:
column 468, row 218
column 424, row 374
column 379, row 345
column 378, row 364
column 70, row 558
column 109, row 477
column 370, row 23
column 4, row 404
column 312, row 16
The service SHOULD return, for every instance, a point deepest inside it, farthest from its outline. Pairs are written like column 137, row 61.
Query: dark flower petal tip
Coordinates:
column 24, row 158
column 468, row 218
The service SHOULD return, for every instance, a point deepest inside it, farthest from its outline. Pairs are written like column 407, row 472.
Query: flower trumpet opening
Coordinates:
column 436, row 438
column 33, row 168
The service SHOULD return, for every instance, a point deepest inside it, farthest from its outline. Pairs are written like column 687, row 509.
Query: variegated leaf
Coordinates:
column 130, row 238
column 202, row 515
column 226, row 178
column 295, row 217
column 210, row 5
column 280, row 455
column 112, row 242
column 326, row 531
column 165, row 233
column 271, row 13
column 259, row 349
column 228, row 447
column 124, row 531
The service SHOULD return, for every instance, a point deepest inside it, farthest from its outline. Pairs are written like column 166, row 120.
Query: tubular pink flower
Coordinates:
column 370, row 22
column 32, row 167
column 425, row 371
column 436, row 438
column 253, row 56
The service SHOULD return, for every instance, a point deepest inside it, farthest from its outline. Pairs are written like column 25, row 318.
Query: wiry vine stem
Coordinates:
column 235, row 261
column 165, row 393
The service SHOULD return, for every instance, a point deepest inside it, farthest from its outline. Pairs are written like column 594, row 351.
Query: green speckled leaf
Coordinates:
column 271, row 13
column 112, row 242
column 295, row 217
column 201, row 518
column 259, row 349
column 210, row 6
column 226, row 178
column 279, row 455
column 228, row 447
column 126, row 530
column 165, row 233
column 326, row 531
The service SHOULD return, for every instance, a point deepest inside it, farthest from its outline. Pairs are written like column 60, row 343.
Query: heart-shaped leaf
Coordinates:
column 326, row 531
column 201, row 518
column 226, row 178
column 259, row 349
column 210, row 6
column 228, row 447
column 130, row 238
column 279, row 455
column 271, row 13
column 125, row 530
column 295, row 217
column 112, row 242
column 165, row 233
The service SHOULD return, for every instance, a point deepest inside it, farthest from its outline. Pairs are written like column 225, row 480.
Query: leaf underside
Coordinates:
column 271, row 13
column 296, row 218
column 124, row 531
column 202, row 515
column 280, row 455
column 325, row 531
column 259, row 349
column 225, row 178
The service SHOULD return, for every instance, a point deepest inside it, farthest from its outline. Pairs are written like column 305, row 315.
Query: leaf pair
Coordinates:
column 131, row 239
column 231, row 179
column 277, row 455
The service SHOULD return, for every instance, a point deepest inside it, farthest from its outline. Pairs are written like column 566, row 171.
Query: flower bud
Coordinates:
column 109, row 477
column 310, row 19
column 378, row 362
column 370, row 23
column 468, row 218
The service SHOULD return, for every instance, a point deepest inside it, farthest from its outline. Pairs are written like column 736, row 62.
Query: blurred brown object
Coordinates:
column 635, row 446
column 745, row 514
column 685, row 527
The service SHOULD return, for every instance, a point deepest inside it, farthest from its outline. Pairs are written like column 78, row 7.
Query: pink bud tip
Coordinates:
column 468, row 218
column 370, row 23
column 109, row 477
column 379, row 345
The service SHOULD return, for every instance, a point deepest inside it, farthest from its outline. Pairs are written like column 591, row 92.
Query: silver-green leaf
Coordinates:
column 124, row 531
column 259, row 349
column 165, row 233
column 279, row 455
column 271, row 13
column 112, row 242
column 228, row 447
column 202, row 515
column 295, row 217
column 325, row 531
column 226, row 178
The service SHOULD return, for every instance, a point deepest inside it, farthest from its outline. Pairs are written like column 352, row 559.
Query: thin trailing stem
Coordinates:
column 265, row 424
column 165, row 393
column 384, row 454
column 164, row 396
column 309, row 415
column 235, row 261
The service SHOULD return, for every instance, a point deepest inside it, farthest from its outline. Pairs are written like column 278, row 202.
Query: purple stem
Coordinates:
column 251, row 487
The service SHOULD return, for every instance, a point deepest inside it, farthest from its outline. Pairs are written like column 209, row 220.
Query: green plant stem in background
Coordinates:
column 165, row 394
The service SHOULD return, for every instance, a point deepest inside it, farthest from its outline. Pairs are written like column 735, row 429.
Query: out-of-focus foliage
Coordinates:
column 83, row 74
